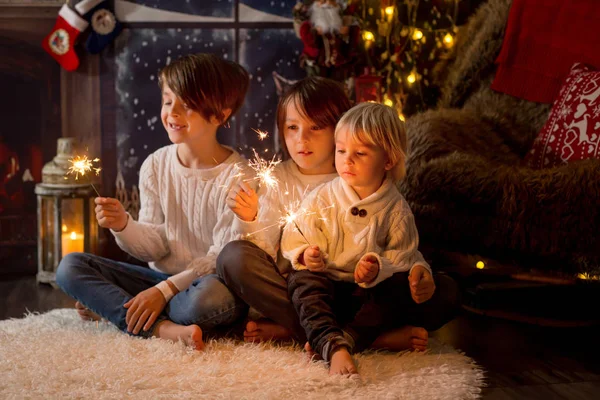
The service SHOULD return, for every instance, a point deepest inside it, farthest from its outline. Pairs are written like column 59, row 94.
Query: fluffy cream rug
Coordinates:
column 56, row 355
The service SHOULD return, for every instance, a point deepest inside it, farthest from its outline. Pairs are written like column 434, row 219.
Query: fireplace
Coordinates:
column 40, row 100
column 31, row 123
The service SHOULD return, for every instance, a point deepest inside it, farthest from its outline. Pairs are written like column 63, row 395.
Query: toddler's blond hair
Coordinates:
column 378, row 125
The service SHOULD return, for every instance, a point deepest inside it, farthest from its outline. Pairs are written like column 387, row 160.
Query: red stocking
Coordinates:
column 59, row 43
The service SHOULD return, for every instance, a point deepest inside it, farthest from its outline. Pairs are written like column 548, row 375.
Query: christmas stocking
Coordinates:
column 105, row 26
column 59, row 43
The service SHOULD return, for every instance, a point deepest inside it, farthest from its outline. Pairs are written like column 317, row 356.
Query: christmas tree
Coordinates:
column 385, row 50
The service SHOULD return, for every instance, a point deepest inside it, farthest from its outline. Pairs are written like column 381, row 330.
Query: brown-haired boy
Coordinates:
column 183, row 223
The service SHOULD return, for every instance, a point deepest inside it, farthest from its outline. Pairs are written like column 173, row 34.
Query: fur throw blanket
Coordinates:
column 466, row 183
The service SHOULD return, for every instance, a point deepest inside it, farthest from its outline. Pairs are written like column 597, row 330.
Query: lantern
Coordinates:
column 66, row 223
column 368, row 88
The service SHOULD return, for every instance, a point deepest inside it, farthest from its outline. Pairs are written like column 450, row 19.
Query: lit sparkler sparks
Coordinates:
column 264, row 170
column 81, row 165
column 293, row 211
column 262, row 135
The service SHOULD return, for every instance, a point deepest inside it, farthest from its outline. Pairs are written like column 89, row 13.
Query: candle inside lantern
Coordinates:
column 71, row 243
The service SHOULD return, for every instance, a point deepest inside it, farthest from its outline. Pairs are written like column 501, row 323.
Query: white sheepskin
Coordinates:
column 57, row 355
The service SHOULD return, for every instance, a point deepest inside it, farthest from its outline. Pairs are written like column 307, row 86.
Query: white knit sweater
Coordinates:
column 346, row 228
column 184, row 221
column 265, row 230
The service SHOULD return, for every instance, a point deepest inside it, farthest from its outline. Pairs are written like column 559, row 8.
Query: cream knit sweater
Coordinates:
column 184, row 221
column 346, row 228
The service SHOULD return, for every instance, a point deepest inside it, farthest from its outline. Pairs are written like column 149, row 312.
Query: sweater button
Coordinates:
column 362, row 213
column 354, row 210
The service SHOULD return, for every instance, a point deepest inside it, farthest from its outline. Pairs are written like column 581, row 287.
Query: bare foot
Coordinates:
column 191, row 335
column 264, row 330
column 311, row 354
column 85, row 313
column 405, row 338
column 342, row 363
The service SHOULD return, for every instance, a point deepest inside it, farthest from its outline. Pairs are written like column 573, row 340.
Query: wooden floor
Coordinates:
column 521, row 361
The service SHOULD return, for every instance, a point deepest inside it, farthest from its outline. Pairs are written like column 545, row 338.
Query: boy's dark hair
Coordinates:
column 321, row 100
column 207, row 84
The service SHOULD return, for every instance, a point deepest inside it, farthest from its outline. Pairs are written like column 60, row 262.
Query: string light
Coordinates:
column 417, row 34
column 368, row 36
column 480, row 265
column 448, row 40
column 388, row 102
column 412, row 78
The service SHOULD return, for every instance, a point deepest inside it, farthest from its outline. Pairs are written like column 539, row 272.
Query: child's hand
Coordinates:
column 421, row 284
column 313, row 260
column 110, row 213
column 367, row 269
column 243, row 201
column 143, row 309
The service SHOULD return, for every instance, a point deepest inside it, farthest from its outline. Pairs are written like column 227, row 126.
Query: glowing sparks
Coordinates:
column 264, row 170
column 81, row 166
column 293, row 211
column 239, row 174
column 289, row 214
column 262, row 135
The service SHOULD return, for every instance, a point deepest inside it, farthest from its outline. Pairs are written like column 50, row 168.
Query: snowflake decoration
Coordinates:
column 564, row 112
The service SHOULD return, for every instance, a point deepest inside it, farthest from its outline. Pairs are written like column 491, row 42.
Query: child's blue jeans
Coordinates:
column 105, row 285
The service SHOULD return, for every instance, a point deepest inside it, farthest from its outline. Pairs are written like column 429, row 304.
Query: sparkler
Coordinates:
column 291, row 214
column 83, row 165
column 262, row 135
column 293, row 209
column 264, row 170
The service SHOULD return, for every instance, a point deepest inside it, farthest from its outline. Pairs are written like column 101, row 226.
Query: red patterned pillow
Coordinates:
column 573, row 127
